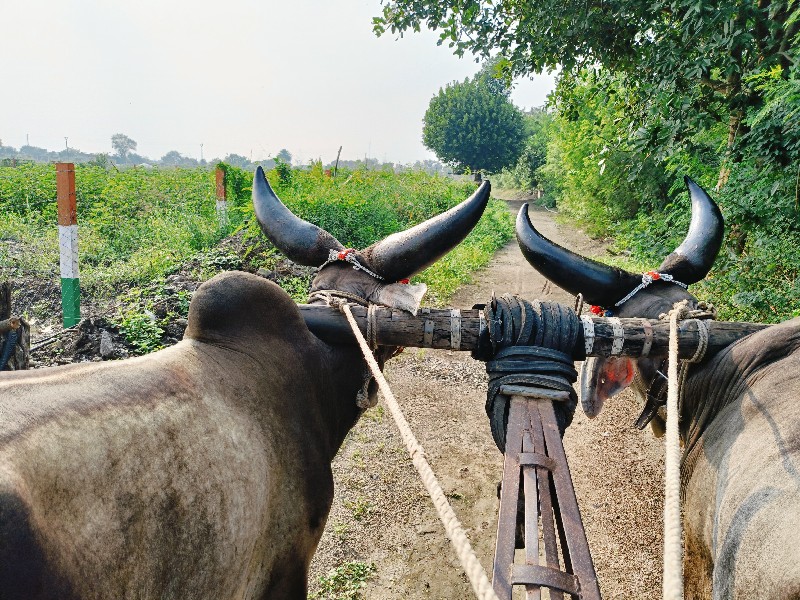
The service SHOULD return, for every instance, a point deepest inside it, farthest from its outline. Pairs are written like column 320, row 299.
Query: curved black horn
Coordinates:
column 407, row 252
column 692, row 260
column 600, row 284
column 303, row 242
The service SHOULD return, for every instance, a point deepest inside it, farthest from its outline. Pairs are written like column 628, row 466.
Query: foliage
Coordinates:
column 616, row 188
column 140, row 330
column 137, row 226
column 344, row 582
column 284, row 156
column 689, row 64
column 474, row 125
column 134, row 224
column 526, row 173
column 122, row 144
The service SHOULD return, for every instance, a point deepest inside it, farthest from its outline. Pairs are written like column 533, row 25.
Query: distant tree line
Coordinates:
column 124, row 155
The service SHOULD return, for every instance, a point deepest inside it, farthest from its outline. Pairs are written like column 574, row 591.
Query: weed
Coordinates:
column 360, row 508
column 340, row 530
column 140, row 330
column 344, row 582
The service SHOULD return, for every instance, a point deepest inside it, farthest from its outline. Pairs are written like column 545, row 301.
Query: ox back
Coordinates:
column 741, row 425
column 200, row 471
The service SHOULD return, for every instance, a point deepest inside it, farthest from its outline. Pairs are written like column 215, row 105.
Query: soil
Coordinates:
column 98, row 336
column 382, row 513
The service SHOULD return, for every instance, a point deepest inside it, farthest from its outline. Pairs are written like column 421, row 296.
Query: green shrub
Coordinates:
column 344, row 582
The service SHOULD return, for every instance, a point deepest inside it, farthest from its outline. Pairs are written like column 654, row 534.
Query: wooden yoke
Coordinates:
column 462, row 329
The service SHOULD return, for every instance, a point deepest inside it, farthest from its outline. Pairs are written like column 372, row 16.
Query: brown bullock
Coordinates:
column 201, row 471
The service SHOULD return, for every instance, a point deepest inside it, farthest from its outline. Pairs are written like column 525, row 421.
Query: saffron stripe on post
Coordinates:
column 68, row 243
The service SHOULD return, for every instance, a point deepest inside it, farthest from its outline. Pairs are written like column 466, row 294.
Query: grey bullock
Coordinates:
column 201, row 471
column 739, row 418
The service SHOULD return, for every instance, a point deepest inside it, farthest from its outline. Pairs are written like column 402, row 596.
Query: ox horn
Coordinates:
column 600, row 284
column 301, row 241
column 692, row 260
column 407, row 252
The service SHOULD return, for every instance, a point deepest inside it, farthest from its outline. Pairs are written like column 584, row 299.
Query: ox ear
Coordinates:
column 303, row 242
column 692, row 260
column 601, row 379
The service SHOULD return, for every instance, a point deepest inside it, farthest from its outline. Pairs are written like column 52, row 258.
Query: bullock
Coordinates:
column 201, row 471
column 739, row 415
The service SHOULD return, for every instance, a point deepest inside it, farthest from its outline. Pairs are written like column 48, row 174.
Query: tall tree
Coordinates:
column 692, row 62
column 122, row 144
column 473, row 124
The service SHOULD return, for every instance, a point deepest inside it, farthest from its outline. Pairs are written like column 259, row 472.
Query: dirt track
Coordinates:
column 382, row 514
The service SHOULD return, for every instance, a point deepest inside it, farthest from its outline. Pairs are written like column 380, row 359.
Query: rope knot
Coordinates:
column 349, row 255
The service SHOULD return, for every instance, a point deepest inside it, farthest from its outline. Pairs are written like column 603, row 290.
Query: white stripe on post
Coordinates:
column 222, row 199
column 68, row 243
column 68, row 251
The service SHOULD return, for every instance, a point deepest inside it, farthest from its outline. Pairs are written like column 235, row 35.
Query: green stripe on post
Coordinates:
column 68, row 243
column 71, row 301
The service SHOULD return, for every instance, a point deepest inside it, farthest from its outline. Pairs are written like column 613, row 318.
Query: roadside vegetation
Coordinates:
column 138, row 228
column 711, row 91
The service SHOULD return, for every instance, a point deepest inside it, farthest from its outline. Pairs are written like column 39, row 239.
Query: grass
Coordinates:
column 139, row 225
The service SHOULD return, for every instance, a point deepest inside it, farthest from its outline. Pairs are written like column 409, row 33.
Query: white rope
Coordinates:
column 647, row 279
column 673, row 547
column 455, row 532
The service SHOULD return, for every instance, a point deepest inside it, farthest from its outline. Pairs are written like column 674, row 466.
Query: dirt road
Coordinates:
column 382, row 514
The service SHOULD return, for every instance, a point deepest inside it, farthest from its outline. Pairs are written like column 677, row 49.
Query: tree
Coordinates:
column 473, row 124
column 173, row 158
column 122, row 144
column 691, row 63
column 538, row 123
column 237, row 160
column 285, row 156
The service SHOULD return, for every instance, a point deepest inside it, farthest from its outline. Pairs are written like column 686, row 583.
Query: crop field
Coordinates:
column 140, row 228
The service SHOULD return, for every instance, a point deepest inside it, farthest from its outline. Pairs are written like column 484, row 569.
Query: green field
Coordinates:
column 138, row 226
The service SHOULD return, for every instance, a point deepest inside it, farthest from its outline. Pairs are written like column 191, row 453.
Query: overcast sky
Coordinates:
column 243, row 76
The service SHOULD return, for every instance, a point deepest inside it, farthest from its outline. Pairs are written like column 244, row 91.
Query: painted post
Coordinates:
column 68, row 243
column 222, row 199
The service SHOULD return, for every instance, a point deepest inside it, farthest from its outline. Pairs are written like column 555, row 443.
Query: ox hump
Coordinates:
column 237, row 306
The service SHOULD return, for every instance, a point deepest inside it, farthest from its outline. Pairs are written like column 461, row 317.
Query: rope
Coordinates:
column 372, row 326
column 348, row 255
column 531, row 345
column 455, row 532
column 673, row 548
column 647, row 279
column 335, row 297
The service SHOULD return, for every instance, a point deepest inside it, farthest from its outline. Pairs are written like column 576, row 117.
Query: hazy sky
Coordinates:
column 243, row 76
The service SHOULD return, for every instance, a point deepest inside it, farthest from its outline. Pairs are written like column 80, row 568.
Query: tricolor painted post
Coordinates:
column 222, row 199
column 68, row 243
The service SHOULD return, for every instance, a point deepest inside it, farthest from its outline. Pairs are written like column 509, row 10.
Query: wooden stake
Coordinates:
column 68, row 243
column 222, row 199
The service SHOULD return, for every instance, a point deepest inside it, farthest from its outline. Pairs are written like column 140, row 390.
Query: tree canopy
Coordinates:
column 473, row 124
column 122, row 144
column 690, row 63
